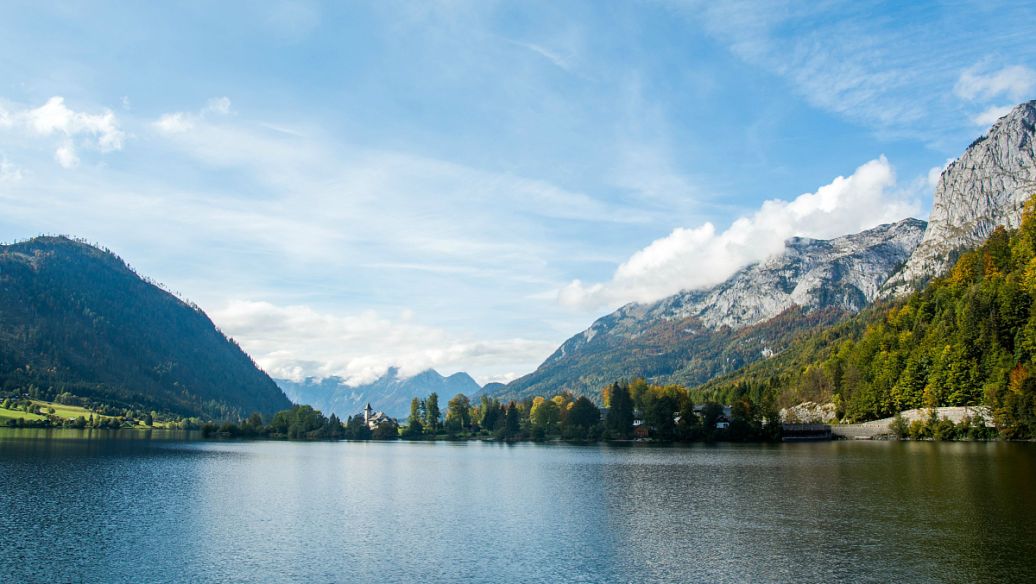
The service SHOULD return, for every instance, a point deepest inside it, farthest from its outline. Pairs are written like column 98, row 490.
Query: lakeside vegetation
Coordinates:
column 968, row 338
column 34, row 408
column 635, row 410
column 669, row 415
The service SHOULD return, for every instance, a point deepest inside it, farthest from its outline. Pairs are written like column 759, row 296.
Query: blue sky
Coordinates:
column 463, row 185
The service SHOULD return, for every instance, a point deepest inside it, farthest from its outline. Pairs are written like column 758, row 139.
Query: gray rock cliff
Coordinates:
column 845, row 273
column 983, row 189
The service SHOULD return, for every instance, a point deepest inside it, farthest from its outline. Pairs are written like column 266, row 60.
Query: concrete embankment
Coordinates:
column 878, row 429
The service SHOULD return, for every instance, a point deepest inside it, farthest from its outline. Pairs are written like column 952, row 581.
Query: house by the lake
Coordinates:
column 374, row 419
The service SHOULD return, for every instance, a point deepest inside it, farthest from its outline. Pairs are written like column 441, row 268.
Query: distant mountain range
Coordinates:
column 391, row 393
column 77, row 319
column 694, row 336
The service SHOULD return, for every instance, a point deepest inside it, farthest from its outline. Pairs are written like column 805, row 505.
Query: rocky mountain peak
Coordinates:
column 983, row 189
column 846, row 273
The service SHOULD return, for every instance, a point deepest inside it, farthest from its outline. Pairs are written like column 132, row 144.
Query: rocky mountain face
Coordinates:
column 694, row 335
column 983, row 189
column 391, row 393
column 845, row 273
column 76, row 319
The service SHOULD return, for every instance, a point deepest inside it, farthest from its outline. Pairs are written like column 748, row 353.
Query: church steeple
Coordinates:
column 368, row 412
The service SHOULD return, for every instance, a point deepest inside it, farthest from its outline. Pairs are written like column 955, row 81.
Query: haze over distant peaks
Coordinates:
column 391, row 393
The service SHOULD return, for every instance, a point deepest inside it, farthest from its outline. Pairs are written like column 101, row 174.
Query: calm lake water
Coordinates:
column 111, row 507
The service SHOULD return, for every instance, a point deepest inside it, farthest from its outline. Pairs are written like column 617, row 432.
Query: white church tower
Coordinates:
column 368, row 413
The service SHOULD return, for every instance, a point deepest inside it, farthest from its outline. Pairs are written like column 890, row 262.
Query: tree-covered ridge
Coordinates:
column 75, row 319
column 968, row 338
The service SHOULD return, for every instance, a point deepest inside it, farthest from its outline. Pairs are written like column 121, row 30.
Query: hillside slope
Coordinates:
column 76, row 319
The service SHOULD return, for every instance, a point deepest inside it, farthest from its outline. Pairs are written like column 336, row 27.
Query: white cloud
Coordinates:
column 690, row 258
column 297, row 341
column 174, row 123
column 66, row 155
column 991, row 115
column 55, row 117
column 100, row 131
column 850, row 67
column 181, row 122
column 1015, row 82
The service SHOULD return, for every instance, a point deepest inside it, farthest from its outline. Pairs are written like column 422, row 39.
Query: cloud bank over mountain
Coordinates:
column 697, row 257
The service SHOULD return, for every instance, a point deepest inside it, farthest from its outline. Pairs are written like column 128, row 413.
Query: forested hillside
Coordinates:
column 967, row 338
column 76, row 320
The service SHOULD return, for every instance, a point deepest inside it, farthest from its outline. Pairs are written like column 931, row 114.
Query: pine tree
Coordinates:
column 620, row 415
column 433, row 417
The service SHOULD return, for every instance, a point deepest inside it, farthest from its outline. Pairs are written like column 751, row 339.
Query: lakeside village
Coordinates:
column 635, row 411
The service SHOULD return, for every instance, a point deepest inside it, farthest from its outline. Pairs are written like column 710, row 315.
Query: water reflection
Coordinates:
column 117, row 507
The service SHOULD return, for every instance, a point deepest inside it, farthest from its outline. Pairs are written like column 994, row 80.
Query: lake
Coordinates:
column 77, row 506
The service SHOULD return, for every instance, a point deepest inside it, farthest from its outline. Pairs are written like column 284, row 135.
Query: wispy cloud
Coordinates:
column 864, row 64
column 1014, row 82
column 980, row 85
column 553, row 57
column 991, row 114
column 179, row 122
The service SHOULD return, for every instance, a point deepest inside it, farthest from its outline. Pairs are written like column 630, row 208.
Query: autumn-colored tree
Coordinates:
column 545, row 416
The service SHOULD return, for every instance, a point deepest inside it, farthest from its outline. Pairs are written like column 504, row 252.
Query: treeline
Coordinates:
column 968, row 338
column 302, row 423
column 669, row 413
column 563, row 416
column 632, row 410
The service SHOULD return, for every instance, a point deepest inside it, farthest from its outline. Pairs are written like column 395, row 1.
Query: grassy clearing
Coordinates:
column 64, row 411
column 67, row 411
column 6, row 414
